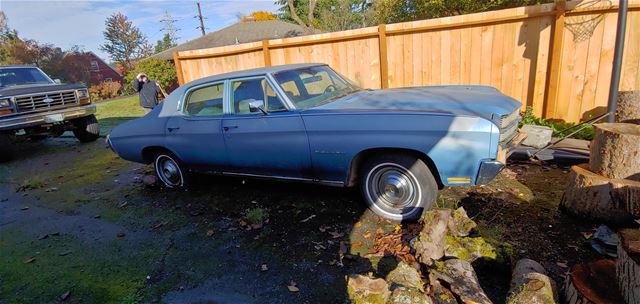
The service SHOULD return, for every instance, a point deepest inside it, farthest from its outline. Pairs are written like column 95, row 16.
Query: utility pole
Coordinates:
column 200, row 17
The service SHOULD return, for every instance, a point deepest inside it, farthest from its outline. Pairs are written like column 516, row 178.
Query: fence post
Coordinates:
column 555, row 59
column 384, row 61
column 266, row 53
column 176, row 61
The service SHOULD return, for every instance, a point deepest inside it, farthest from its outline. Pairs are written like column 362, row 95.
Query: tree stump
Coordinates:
column 628, row 109
column 615, row 151
column 596, row 197
column 531, row 285
column 592, row 283
column 628, row 265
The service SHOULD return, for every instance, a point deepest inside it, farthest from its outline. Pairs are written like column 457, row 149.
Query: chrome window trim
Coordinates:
column 182, row 103
column 269, row 81
column 300, row 179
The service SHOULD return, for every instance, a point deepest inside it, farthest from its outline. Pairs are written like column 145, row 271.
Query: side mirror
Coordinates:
column 58, row 81
column 257, row 105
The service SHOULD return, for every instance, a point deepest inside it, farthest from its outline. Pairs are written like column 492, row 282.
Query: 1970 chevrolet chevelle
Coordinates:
column 305, row 122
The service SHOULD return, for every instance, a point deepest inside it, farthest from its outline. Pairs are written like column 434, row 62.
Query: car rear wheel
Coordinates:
column 7, row 149
column 86, row 129
column 397, row 186
column 170, row 170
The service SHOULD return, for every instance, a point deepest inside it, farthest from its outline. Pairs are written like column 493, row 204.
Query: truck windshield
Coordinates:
column 22, row 76
column 313, row 86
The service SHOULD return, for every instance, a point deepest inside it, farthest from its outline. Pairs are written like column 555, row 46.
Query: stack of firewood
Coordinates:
column 608, row 189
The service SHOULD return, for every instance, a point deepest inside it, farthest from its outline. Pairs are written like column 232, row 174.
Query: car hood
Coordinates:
column 38, row 88
column 479, row 101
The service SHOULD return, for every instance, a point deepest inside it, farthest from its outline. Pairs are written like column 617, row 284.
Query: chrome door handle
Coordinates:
column 229, row 127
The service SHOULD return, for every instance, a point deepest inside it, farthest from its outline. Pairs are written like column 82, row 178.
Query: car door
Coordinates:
column 274, row 143
column 195, row 135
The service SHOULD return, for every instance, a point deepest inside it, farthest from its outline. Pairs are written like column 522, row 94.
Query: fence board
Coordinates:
column 509, row 49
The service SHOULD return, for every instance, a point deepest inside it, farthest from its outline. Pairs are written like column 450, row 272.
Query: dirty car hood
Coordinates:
column 38, row 88
column 479, row 101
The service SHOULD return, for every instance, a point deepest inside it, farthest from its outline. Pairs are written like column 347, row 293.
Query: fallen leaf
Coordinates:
column 308, row 218
column 358, row 224
column 357, row 245
column 563, row 265
column 397, row 228
column 587, row 235
column 264, row 267
column 535, row 285
column 124, row 204
column 30, row 260
column 65, row 295
column 379, row 230
column 210, row 232
column 367, row 234
column 256, row 226
column 120, row 234
column 293, row 287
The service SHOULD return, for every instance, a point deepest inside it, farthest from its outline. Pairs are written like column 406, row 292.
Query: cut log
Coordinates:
column 531, row 285
column 615, row 151
column 462, row 280
column 591, row 196
column 363, row 289
column 592, row 283
column 628, row 265
column 628, row 109
column 429, row 245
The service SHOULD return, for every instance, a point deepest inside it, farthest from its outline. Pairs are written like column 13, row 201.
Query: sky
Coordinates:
column 81, row 22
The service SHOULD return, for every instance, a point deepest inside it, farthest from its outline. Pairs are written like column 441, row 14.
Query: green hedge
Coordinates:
column 162, row 71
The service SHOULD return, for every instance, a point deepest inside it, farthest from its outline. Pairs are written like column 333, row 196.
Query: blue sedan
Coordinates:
column 305, row 122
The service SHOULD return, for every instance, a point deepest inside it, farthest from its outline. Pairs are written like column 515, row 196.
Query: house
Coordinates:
column 241, row 32
column 88, row 68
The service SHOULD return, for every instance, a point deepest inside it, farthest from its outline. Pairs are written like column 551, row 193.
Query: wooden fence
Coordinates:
column 555, row 58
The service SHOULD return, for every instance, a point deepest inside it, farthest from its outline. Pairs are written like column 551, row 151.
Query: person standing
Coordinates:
column 148, row 91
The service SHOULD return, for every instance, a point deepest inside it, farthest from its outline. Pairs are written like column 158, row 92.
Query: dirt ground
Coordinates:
column 76, row 219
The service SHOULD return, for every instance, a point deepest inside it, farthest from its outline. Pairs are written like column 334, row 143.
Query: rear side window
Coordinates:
column 205, row 101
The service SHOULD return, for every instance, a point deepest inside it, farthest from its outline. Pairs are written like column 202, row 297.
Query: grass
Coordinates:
column 114, row 112
column 558, row 127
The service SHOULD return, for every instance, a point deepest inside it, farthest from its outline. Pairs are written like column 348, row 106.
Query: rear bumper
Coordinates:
column 38, row 119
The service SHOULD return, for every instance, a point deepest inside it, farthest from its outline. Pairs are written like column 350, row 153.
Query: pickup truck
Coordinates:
column 33, row 106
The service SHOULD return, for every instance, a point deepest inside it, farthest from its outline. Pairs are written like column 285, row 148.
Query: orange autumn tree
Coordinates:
column 259, row 16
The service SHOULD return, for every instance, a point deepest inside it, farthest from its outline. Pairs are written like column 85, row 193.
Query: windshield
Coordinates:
column 313, row 86
column 21, row 76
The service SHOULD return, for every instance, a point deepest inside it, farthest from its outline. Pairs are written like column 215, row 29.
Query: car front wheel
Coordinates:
column 398, row 187
column 86, row 129
column 170, row 170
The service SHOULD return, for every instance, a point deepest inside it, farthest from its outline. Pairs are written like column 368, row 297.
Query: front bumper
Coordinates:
column 43, row 118
column 489, row 169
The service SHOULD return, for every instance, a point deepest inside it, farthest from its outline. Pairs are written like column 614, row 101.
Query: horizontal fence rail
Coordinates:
column 555, row 58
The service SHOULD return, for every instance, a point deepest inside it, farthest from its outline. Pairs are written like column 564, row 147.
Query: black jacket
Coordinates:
column 148, row 92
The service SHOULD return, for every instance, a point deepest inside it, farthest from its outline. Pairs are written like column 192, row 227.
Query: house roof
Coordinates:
column 90, row 53
column 241, row 32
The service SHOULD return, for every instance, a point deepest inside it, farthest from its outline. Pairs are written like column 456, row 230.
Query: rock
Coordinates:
column 429, row 245
column 404, row 295
column 460, row 224
column 537, row 136
column 365, row 290
column 462, row 279
column 149, row 180
column 468, row 248
column 406, row 276
column 531, row 285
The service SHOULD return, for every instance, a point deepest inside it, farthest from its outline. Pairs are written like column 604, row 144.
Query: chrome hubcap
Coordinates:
column 393, row 188
column 168, row 171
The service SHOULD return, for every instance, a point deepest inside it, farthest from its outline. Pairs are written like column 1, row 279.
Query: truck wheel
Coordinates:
column 170, row 170
column 87, row 128
column 398, row 186
column 7, row 149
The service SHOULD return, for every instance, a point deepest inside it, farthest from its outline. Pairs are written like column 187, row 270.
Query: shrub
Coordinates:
column 558, row 127
column 105, row 90
column 162, row 71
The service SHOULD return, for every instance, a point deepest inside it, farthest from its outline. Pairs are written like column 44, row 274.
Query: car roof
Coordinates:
column 255, row 72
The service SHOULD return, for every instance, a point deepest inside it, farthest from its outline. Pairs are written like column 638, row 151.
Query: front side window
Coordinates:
column 313, row 86
column 205, row 101
column 250, row 90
